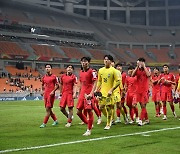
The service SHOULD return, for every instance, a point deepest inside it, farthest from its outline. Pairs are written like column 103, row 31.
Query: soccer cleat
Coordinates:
column 99, row 121
column 55, row 123
column 112, row 122
column 137, row 120
column 87, row 133
column 118, row 120
column 107, row 127
column 131, row 122
column 43, row 125
column 68, row 124
column 126, row 121
column 157, row 115
column 140, row 123
column 165, row 117
column 146, row 122
column 81, row 123
column 174, row 114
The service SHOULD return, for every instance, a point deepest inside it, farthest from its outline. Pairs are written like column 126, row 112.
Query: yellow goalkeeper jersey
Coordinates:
column 106, row 78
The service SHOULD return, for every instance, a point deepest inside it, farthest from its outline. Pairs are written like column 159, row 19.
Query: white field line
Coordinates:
column 88, row 140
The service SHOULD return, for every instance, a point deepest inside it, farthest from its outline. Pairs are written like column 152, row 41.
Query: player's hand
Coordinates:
column 138, row 63
column 109, row 93
column 89, row 96
column 166, row 81
column 143, row 65
column 52, row 93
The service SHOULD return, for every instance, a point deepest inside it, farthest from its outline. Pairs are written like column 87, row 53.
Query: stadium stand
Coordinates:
column 120, row 53
column 12, row 49
column 162, row 55
column 141, row 53
column 72, row 52
column 45, row 52
column 177, row 52
column 97, row 54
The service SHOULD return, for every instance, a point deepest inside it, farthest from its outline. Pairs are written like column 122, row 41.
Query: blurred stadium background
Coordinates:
column 35, row 32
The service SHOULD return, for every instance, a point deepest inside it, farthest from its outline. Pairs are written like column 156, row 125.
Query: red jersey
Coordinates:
column 167, row 87
column 86, row 79
column 131, row 83
column 156, row 87
column 123, row 77
column 67, row 82
column 49, row 82
column 142, row 80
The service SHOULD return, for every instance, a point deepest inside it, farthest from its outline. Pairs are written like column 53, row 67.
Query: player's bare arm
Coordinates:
column 113, row 88
column 89, row 96
column 74, row 91
column 148, row 73
column 135, row 70
column 55, row 88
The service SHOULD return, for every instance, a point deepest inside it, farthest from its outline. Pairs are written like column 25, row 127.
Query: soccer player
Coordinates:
column 49, row 86
column 118, row 110
column 156, row 97
column 118, row 92
column 116, row 96
column 68, row 85
column 88, row 81
column 143, row 73
column 167, row 80
column 107, row 75
column 131, row 97
column 177, row 96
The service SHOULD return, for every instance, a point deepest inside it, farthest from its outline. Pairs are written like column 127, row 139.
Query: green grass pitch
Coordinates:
column 20, row 121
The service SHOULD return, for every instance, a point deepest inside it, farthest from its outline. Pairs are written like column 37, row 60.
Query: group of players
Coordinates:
column 108, row 89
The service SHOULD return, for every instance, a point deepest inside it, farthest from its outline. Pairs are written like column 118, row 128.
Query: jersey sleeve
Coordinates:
column 99, row 78
column 56, row 80
column 173, row 78
column 94, row 75
column 75, row 80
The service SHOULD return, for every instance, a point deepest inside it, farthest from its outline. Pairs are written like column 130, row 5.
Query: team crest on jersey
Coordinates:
column 109, row 75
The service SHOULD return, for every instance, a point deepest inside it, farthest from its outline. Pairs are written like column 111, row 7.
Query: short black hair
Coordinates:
column 156, row 68
column 109, row 57
column 118, row 64
column 131, row 67
column 141, row 59
column 70, row 65
column 86, row 58
column 48, row 64
column 166, row 65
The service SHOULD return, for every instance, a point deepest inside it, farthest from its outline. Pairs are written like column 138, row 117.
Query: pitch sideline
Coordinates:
column 88, row 140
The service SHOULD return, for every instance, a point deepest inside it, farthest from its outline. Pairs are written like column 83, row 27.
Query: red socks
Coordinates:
column 131, row 113
column 118, row 111
column 91, row 119
column 46, row 118
column 53, row 116
column 144, row 114
column 164, row 110
column 83, row 117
